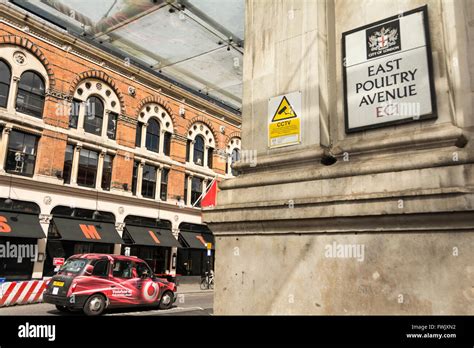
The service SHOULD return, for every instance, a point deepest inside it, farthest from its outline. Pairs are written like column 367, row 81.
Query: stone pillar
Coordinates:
column 206, row 147
column 162, row 141
column 4, row 147
column 229, row 163
column 191, row 151
column 174, row 250
column 11, row 103
column 82, row 115
column 105, row 122
column 119, row 226
column 345, row 221
column 38, row 266
column 100, row 170
column 140, row 178
column 188, row 192
column 143, row 144
column 158, row 183
column 204, row 185
column 75, row 163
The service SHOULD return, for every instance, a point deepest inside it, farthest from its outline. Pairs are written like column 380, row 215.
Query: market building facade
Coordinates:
column 98, row 155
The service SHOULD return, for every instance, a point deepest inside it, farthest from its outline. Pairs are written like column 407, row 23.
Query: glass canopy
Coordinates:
column 198, row 43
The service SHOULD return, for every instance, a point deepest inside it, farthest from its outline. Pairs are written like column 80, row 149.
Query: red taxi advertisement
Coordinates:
column 94, row 282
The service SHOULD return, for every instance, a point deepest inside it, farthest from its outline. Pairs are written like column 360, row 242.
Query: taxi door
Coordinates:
column 124, row 284
column 148, row 288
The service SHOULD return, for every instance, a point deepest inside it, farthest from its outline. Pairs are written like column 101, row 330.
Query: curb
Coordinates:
column 195, row 292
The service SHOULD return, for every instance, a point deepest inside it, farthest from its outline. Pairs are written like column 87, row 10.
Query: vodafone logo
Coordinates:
column 150, row 291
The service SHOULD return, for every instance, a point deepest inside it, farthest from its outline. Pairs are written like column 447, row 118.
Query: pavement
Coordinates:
column 190, row 301
column 191, row 288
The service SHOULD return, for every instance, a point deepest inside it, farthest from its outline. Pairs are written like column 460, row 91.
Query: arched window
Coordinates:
column 30, row 97
column 5, row 78
column 94, row 115
column 198, row 155
column 235, row 158
column 153, row 135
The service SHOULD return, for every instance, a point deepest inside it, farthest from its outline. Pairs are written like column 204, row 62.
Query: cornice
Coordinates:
column 71, row 191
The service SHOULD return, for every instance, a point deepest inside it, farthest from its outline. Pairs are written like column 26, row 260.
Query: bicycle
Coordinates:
column 207, row 281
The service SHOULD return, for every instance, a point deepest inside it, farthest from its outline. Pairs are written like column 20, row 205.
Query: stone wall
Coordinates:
column 404, row 193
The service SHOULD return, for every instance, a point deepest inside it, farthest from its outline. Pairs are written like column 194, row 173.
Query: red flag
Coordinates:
column 210, row 198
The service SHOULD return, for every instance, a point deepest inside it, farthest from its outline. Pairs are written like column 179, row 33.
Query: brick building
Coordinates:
column 98, row 155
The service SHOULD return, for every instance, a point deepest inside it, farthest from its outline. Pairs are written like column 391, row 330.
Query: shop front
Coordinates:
column 69, row 235
column 19, row 233
column 194, row 259
column 150, row 240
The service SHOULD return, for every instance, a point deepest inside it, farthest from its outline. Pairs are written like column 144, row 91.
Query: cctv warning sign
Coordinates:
column 284, row 127
column 284, row 111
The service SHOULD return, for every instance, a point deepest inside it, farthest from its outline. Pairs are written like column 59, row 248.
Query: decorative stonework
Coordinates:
column 202, row 119
column 221, row 153
column 45, row 218
column 231, row 136
column 180, row 138
column 157, row 100
column 50, row 92
column 47, row 200
column 34, row 49
column 126, row 119
column 100, row 75
column 159, row 113
column 19, row 58
column 120, row 226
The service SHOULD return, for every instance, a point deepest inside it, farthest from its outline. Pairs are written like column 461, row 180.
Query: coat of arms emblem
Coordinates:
column 385, row 38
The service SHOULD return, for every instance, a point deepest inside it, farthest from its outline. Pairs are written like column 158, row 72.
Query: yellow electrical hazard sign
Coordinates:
column 284, row 111
column 284, row 127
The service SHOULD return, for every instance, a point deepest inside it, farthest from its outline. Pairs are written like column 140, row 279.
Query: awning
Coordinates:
column 87, row 231
column 197, row 240
column 20, row 225
column 152, row 236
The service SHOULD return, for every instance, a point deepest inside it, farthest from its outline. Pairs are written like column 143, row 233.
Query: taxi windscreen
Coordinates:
column 75, row 266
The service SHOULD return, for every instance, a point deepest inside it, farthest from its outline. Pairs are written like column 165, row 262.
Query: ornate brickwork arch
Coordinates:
column 232, row 135
column 161, row 102
column 204, row 120
column 34, row 49
column 100, row 75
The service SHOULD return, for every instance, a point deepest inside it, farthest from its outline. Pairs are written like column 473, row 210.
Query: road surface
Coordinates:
column 196, row 303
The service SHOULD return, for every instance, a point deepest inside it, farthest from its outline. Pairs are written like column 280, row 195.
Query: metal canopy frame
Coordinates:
column 197, row 51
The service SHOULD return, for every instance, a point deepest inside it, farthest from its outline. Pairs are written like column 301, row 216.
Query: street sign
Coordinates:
column 284, row 120
column 387, row 72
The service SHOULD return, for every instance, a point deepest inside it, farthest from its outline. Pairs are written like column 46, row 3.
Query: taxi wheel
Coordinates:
column 94, row 305
column 166, row 300
column 62, row 308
